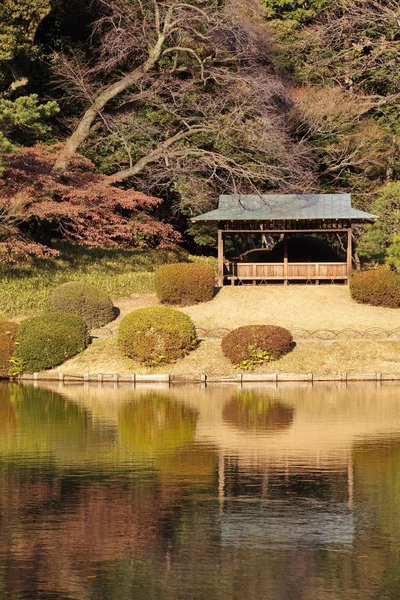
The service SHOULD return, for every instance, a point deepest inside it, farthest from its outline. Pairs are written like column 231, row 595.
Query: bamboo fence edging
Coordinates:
column 240, row 378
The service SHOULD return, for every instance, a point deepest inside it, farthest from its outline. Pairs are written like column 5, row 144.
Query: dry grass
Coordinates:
column 319, row 358
column 293, row 306
column 308, row 307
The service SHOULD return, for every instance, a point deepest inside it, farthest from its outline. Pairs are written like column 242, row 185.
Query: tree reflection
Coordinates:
column 155, row 424
column 253, row 410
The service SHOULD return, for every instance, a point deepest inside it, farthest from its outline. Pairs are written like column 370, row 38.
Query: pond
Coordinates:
column 188, row 493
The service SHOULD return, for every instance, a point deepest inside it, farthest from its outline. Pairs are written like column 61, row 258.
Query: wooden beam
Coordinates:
column 221, row 257
column 349, row 253
column 285, row 259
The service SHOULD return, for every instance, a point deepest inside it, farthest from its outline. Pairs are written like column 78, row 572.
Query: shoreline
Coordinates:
column 170, row 380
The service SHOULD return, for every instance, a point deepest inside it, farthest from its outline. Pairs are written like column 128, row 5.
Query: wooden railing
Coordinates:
column 286, row 271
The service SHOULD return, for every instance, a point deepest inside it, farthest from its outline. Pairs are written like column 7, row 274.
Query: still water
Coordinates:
column 194, row 494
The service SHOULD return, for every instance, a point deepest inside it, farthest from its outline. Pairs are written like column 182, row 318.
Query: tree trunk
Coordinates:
column 82, row 131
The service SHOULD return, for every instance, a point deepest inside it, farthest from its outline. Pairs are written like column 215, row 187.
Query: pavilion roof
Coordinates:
column 285, row 207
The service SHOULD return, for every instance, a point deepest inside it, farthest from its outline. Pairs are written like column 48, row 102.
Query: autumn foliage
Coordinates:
column 252, row 345
column 81, row 207
column 185, row 283
column 378, row 287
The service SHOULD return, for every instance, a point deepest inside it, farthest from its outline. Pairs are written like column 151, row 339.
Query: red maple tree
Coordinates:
column 81, row 206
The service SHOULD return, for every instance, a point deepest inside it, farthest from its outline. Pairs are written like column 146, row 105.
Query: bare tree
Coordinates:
column 206, row 70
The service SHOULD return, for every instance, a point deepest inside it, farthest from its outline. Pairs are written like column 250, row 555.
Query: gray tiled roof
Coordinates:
column 285, row 207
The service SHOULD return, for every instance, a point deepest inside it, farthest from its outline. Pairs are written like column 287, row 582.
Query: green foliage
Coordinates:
column 203, row 235
column 375, row 242
column 393, row 254
column 87, row 301
column 378, row 287
column 8, row 336
column 25, row 288
column 156, row 335
column 297, row 10
column 185, row 284
column 251, row 346
column 26, row 112
column 19, row 21
column 48, row 340
column 24, row 119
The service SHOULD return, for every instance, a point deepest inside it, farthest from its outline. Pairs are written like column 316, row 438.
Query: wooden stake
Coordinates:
column 349, row 253
column 285, row 258
column 220, row 258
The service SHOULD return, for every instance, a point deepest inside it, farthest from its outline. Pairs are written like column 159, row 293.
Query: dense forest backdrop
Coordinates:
column 121, row 119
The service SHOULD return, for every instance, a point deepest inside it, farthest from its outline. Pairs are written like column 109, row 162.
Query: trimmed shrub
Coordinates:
column 185, row 284
column 253, row 345
column 48, row 340
column 156, row 335
column 8, row 336
column 378, row 287
column 87, row 301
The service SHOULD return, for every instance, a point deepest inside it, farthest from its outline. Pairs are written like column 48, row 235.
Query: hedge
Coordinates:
column 156, row 335
column 8, row 336
column 378, row 287
column 185, row 284
column 88, row 301
column 48, row 340
column 253, row 345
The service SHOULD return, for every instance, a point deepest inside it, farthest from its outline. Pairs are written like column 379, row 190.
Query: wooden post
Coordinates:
column 221, row 257
column 285, row 258
column 349, row 253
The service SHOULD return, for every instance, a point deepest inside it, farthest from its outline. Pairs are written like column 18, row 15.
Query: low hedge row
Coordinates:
column 156, row 335
column 185, row 283
column 8, row 337
column 378, row 287
column 88, row 301
column 48, row 340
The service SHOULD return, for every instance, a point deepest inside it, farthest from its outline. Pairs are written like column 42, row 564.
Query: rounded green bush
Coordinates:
column 87, row 301
column 185, row 283
column 252, row 345
column 48, row 340
column 378, row 287
column 8, row 337
column 156, row 335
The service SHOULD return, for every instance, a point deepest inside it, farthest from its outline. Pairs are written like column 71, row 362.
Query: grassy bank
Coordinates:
column 25, row 288
column 319, row 358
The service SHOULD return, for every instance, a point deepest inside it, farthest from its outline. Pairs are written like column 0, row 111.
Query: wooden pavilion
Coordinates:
column 282, row 217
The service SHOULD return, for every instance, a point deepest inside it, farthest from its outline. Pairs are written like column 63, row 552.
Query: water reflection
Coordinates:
column 251, row 410
column 219, row 493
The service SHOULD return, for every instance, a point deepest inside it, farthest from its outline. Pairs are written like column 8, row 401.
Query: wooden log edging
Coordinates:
column 96, row 378
column 240, row 378
column 311, row 378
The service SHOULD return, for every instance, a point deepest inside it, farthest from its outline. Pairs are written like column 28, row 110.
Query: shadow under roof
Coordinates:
column 285, row 207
